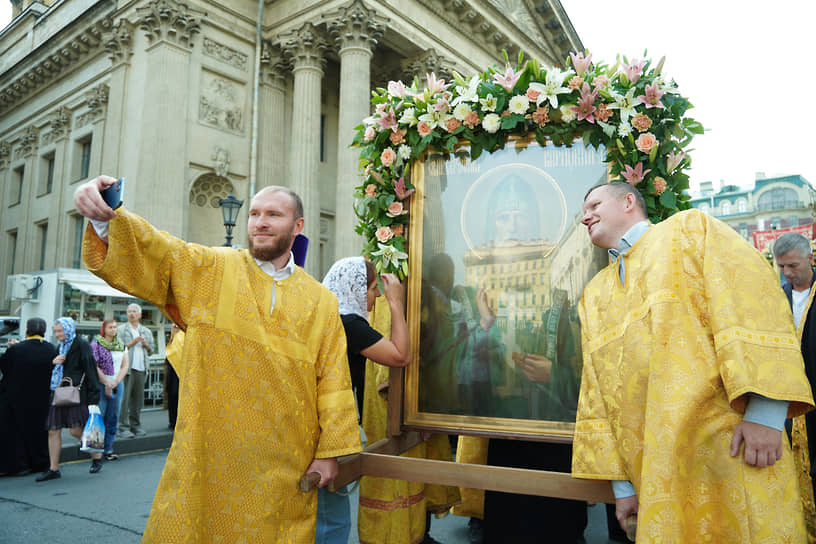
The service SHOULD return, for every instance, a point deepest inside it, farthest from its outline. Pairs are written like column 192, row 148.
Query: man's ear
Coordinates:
column 299, row 223
column 630, row 202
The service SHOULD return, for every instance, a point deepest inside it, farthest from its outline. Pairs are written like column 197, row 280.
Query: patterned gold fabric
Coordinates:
column 799, row 444
column 668, row 360
column 261, row 395
column 393, row 511
column 174, row 349
column 471, row 449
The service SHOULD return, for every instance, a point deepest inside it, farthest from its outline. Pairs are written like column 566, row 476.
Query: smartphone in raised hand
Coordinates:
column 113, row 194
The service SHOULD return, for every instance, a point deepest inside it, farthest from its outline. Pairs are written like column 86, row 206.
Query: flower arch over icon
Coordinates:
column 630, row 108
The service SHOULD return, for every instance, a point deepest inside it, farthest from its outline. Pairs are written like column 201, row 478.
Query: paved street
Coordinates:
column 112, row 507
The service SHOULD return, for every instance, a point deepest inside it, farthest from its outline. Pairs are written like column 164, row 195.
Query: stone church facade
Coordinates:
column 184, row 101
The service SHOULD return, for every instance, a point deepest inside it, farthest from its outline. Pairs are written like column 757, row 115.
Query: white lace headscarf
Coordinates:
column 348, row 281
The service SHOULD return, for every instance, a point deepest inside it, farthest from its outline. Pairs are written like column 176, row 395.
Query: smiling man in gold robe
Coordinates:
column 691, row 365
column 265, row 388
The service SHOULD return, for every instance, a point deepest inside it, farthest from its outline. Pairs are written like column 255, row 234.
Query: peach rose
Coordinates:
column 471, row 119
column 398, row 137
column 384, row 234
column 369, row 134
column 398, row 230
column 423, row 129
column 600, row 81
column 659, row 185
column 575, row 83
column 532, row 94
column 452, row 124
column 645, row 142
column 371, row 190
column 388, row 156
column 641, row 122
column 395, row 209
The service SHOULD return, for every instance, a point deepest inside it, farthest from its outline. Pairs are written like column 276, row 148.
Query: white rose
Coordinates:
column 461, row 111
column 567, row 115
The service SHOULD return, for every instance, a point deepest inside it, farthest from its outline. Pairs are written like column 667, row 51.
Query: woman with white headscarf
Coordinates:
column 353, row 281
column 74, row 361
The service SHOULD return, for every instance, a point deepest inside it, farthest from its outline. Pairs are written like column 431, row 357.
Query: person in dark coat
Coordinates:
column 75, row 361
column 26, row 368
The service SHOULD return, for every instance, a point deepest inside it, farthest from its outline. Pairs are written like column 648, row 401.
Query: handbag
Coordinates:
column 67, row 395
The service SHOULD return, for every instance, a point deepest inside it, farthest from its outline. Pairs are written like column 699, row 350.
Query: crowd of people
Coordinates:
column 691, row 367
column 34, row 368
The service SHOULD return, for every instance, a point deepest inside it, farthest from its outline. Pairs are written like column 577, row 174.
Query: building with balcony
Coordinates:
column 772, row 203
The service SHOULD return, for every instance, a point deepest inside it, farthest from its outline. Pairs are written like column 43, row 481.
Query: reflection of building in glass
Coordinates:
column 517, row 277
column 575, row 261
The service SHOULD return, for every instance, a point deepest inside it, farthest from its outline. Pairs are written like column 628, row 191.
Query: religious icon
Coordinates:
column 504, row 259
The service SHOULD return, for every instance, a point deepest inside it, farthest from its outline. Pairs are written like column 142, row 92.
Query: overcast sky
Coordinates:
column 747, row 68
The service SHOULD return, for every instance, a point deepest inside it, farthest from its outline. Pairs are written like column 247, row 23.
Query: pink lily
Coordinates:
column 388, row 120
column 587, row 92
column 651, row 98
column 442, row 105
column 399, row 188
column 634, row 175
column 585, row 109
column 634, row 70
column 673, row 160
column 436, row 85
column 508, row 80
column 580, row 63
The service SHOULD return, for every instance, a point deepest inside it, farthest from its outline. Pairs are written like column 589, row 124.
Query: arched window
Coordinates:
column 777, row 199
column 742, row 206
column 726, row 207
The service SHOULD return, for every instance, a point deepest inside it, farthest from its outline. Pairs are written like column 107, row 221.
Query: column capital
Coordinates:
column 354, row 26
column 119, row 41
column 170, row 21
column 425, row 62
column 305, row 47
column 59, row 122
column 28, row 142
column 274, row 65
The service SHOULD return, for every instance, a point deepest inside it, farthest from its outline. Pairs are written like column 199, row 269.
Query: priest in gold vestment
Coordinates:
column 265, row 388
column 691, row 365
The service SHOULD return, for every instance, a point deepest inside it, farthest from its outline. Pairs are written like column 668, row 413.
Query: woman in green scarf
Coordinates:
column 112, row 366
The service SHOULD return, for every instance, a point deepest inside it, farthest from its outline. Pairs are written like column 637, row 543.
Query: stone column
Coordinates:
column 355, row 30
column 170, row 28
column 272, row 101
column 305, row 48
column 118, row 44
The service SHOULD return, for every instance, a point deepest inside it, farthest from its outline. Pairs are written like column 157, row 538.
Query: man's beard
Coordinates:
column 282, row 245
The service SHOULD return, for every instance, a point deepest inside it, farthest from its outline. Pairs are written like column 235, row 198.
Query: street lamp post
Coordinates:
column 229, row 210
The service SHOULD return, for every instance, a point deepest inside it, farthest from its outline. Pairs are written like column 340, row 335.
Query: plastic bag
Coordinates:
column 93, row 436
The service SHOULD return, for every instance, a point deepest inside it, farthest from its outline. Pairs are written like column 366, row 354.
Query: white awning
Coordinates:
column 98, row 288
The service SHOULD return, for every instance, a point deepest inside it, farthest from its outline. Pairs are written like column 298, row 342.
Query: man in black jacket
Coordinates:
column 26, row 368
column 794, row 256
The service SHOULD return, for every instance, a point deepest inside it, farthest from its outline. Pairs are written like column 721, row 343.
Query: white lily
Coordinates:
column 408, row 117
column 553, row 86
column 390, row 254
column 468, row 94
column 625, row 104
column 435, row 118
column 489, row 102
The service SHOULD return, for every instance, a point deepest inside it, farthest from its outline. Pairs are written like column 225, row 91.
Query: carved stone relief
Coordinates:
column 225, row 54
column 221, row 103
column 221, row 161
